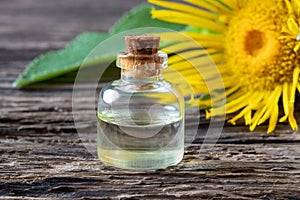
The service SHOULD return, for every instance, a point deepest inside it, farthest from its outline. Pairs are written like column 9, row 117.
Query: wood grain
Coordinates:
column 42, row 156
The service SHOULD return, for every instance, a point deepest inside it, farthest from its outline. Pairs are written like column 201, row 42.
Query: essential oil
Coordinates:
column 141, row 116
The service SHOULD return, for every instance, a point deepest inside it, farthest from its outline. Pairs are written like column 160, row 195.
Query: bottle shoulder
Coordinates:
column 120, row 92
column 129, row 87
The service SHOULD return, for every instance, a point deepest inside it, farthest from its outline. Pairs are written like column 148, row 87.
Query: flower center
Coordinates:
column 254, row 42
column 256, row 56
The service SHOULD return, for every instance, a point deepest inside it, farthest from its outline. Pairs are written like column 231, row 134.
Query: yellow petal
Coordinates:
column 293, row 27
column 189, row 45
column 298, row 87
column 256, row 117
column 202, row 63
column 294, row 86
column 231, row 3
column 296, row 4
column 188, row 19
column 248, row 117
column 189, row 36
column 240, row 115
column 289, row 6
column 222, row 8
column 206, row 36
column 189, row 54
column 285, row 101
column 232, row 106
column 253, row 100
column 185, row 8
column 297, row 47
column 203, row 4
column 273, row 119
column 232, row 90
column 181, row 47
column 259, row 114
column 292, row 119
column 290, row 35
column 270, row 106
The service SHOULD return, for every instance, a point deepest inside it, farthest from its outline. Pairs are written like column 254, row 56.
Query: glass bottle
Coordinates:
column 141, row 116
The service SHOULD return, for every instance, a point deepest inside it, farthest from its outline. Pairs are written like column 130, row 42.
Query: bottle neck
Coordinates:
column 140, row 77
column 142, row 69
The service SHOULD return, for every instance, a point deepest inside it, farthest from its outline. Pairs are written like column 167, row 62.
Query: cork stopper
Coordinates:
column 142, row 44
column 142, row 58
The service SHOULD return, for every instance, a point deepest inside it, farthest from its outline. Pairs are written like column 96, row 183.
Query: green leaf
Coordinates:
column 60, row 62
column 54, row 64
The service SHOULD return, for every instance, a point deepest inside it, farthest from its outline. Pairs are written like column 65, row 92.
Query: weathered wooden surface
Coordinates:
column 42, row 156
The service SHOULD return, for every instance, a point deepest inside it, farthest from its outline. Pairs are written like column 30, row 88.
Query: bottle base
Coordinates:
column 140, row 160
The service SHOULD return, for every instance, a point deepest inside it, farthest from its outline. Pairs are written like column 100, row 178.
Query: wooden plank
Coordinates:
column 43, row 157
column 65, row 169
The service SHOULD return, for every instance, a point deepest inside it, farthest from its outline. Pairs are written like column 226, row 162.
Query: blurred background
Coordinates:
column 51, row 24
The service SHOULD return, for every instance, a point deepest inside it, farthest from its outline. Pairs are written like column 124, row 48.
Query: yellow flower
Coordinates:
column 255, row 45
